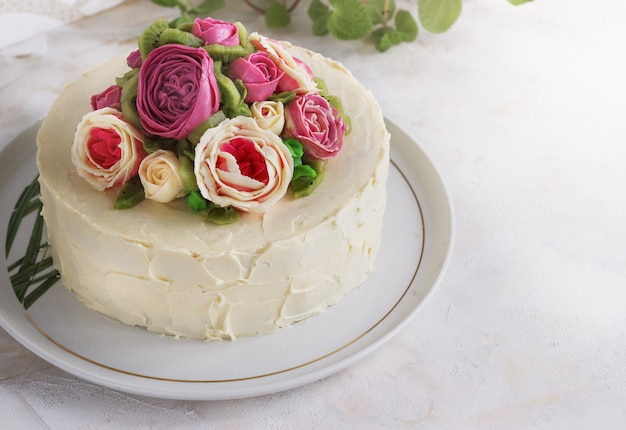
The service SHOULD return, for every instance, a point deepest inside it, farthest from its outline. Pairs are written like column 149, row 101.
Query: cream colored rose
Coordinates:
column 240, row 164
column 159, row 176
column 106, row 149
column 269, row 115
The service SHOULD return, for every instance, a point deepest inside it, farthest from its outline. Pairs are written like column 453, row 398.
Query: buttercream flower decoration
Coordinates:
column 258, row 73
column 215, row 31
column 318, row 126
column 176, row 91
column 269, row 115
column 159, row 176
column 298, row 76
column 106, row 150
column 110, row 97
column 242, row 165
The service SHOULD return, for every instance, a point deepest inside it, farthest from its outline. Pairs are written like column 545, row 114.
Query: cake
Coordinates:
column 248, row 218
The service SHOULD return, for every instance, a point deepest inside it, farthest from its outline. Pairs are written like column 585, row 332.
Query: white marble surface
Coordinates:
column 524, row 112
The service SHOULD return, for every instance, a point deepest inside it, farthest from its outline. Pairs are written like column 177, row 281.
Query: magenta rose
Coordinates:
column 316, row 124
column 214, row 31
column 134, row 59
column 177, row 90
column 108, row 98
column 259, row 74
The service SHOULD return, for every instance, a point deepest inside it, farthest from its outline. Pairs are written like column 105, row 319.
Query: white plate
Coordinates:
column 417, row 242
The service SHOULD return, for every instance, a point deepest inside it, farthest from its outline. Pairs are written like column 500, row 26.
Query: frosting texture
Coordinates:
column 161, row 267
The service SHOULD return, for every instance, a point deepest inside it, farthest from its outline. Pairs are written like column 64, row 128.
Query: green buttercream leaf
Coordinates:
column 284, row 97
column 438, row 16
column 196, row 202
column 303, row 171
column 321, row 86
column 304, row 186
column 336, row 103
column 519, row 2
column 295, row 148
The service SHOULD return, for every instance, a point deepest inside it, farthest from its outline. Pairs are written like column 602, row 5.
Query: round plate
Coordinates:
column 417, row 241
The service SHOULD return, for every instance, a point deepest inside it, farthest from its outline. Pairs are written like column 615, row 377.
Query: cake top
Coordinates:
column 208, row 114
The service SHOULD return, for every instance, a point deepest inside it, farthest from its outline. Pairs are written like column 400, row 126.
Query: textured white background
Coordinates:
column 523, row 110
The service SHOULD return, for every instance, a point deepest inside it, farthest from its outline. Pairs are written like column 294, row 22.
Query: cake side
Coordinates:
column 162, row 267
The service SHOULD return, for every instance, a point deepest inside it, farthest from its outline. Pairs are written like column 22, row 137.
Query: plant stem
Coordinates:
column 253, row 6
column 385, row 13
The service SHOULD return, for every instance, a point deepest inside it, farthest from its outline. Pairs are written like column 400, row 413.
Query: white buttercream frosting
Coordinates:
column 163, row 267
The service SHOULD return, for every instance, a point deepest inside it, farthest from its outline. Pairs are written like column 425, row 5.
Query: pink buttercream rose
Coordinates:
column 108, row 98
column 259, row 74
column 106, row 151
column 312, row 120
column 241, row 165
column 177, row 90
column 214, row 31
column 298, row 76
column 134, row 59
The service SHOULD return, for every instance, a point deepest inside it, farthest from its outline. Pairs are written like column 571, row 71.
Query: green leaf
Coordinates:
column 50, row 279
column 209, row 6
column 166, row 3
column 27, row 203
column 319, row 13
column 349, row 20
column 406, row 25
column 277, row 16
column 376, row 10
column 303, row 171
column 519, row 2
column 305, row 185
column 438, row 16
column 196, row 202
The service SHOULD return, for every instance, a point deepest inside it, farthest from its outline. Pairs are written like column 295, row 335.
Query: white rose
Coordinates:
column 106, row 149
column 159, row 176
column 240, row 164
column 269, row 115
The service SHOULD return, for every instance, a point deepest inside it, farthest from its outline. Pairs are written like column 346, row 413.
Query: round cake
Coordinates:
column 278, row 252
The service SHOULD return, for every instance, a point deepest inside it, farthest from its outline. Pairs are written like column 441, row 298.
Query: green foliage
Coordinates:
column 33, row 274
column 438, row 16
column 379, row 21
column 277, row 16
